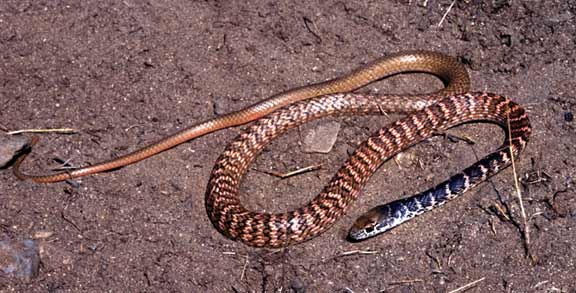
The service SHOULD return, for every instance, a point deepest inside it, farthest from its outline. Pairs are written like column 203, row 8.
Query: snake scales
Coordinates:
column 429, row 114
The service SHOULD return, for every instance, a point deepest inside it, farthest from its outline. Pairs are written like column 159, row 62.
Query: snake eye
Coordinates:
column 369, row 229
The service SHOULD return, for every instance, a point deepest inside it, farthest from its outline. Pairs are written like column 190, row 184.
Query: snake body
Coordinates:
column 429, row 114
column 437, row 114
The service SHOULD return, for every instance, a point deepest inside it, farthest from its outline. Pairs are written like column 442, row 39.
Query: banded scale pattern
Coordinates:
column 430, row 115
column 433, row 113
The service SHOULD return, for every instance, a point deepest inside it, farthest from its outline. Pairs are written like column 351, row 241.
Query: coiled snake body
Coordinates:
column 429, row 114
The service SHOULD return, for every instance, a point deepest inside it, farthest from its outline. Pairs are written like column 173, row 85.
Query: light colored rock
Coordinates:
column 19, row 258
column 321, row 138
column 10, row 146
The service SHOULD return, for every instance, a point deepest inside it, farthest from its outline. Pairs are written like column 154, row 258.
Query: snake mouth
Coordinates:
column 360, row 230
column 353, row 238
column 358, row 235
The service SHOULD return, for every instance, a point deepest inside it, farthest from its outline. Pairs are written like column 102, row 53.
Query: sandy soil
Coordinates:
column 127, row 73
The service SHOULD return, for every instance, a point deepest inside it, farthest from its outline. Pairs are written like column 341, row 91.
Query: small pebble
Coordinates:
column 321, row 139
column 406, row 159
column 42, row 234
column 568, row 116
column 19, row 258
column 10, row 146
column 219, row 106
column 297, row 285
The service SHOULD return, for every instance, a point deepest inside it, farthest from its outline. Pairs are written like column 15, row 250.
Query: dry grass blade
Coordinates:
column 519, row 195
column 467, row 286
column 394, row 284
column 292, row 173
column 57, row 130
column 354, row 252
column 501, row 212
column 402, row 282
column 446, row 13
column 244, row 269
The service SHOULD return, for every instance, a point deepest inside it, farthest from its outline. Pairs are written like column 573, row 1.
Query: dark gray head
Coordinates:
column 377, row 220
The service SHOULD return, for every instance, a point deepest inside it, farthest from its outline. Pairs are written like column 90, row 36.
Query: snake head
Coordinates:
column 377, row 220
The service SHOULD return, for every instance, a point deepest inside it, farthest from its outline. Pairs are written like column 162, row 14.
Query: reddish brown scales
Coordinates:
column 334, row 201
column 222, row 200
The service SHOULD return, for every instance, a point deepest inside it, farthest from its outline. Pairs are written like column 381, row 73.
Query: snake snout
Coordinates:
column 363, row 226
column 377, row 220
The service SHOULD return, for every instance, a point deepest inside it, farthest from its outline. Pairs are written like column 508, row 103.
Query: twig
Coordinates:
column 64, row 165
column 292, row 173
column 354, row 252
column 450, row 258
column 502, row 212
column 540, row 284
column 518, row 192
column 492, row 226
column 307, row 22
column 398, row 283
column 534, row 215
column 396, row 161
column 382, row 111
column 436, row 260
column 446, row 13
column 59, row 130
column 467, row 286
column 401, row 282
column 244, row 269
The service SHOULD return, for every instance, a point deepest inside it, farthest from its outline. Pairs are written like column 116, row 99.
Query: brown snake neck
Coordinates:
column 445, row 67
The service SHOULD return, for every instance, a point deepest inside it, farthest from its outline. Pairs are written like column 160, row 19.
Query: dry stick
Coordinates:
column 446, row 13
column 396, row 161
column 518, row 192
column 401, row 282
column 492, row 226
column 398, row 283
column 436, row 260
column 354, row 252
column 502, row 212
column 60, row 130
column 467, row 286
column 292, row 173
column 244, row 269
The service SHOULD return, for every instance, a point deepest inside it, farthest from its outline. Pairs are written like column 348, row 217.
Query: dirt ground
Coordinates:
column 127, row 73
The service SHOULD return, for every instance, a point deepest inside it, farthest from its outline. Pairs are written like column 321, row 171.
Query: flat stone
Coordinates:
column 321, row 139
column 19, row 258
column 10, row 146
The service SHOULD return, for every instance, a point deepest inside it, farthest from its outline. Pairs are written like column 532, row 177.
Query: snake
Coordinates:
column 426, row 115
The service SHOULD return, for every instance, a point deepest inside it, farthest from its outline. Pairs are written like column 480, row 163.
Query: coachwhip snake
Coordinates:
column 429, row 114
